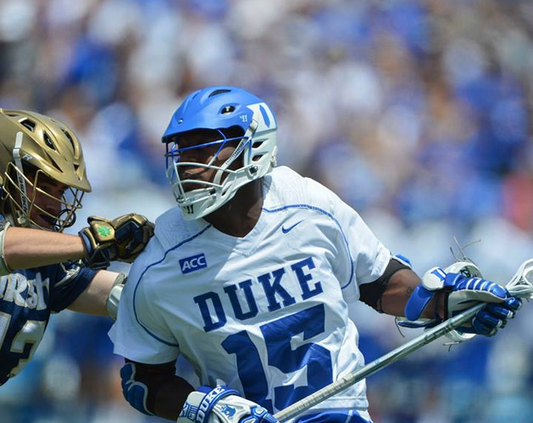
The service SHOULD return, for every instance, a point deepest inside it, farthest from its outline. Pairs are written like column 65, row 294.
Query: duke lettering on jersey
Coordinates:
column 269, row 314
column 190, row 264
column 270, row 283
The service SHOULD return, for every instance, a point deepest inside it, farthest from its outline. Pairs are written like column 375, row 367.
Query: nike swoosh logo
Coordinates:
column 290, row 228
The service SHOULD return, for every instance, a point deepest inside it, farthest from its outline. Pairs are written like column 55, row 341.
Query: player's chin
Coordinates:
column 45, row 221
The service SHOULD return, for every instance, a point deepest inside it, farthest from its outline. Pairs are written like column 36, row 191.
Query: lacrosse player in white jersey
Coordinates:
column 250, row 276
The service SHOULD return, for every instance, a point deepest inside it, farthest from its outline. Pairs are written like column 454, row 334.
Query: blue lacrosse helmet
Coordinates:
column 218, row 108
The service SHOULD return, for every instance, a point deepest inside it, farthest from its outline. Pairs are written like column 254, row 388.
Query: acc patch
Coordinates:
column 193, row 263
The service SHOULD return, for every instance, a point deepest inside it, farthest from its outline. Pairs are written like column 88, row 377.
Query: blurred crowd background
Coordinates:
column 418, row 113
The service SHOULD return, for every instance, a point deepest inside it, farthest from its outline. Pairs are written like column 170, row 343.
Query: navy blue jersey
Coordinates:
column 27, row 297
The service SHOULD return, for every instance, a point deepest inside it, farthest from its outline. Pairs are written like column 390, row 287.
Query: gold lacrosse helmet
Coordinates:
column 34, row 148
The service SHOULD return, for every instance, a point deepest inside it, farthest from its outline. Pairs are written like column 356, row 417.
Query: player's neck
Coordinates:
column 239, row 215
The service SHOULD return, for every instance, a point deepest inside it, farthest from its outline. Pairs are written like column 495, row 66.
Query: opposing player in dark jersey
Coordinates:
column 43, row 271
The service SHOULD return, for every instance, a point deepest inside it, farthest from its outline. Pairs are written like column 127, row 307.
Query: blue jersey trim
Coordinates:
column 313, row 208
column 142, row 275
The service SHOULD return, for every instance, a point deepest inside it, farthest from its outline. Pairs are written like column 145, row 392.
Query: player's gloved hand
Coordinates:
column 466, row 292
column 120, row 239
column 461, row 293
column 222, row 405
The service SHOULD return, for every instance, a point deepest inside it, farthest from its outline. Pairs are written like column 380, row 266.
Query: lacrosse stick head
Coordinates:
column 521, row 284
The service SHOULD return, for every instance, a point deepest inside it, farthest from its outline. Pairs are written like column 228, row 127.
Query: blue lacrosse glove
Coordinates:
column 462, row 291
column 222, row 405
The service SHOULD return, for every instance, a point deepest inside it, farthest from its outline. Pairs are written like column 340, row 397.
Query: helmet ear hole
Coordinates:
column 226, row 110
column 69, row 137
column 218, row 92
column 28, row 124
column 48, row 141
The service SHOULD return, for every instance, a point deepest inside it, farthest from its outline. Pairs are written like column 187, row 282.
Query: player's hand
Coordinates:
column 120, row 239
column 222, row 405
column 463, row 293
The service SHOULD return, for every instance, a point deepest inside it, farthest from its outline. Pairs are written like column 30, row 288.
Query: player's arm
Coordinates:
column 399, row 289
column 25, row 248
column 154, row 389
column 440, row 294
column 389, row 294
column 99, row 243
column 102, row 295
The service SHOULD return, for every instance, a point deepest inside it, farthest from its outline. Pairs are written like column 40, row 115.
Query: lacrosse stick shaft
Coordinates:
column 378, row 364
column 521, row 285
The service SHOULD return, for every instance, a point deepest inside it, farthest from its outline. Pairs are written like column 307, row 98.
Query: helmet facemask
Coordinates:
column 198, row 198
column 22, row 191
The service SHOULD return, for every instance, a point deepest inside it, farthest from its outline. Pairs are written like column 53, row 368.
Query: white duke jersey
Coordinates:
column 265, row 314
